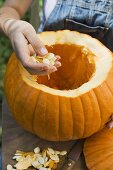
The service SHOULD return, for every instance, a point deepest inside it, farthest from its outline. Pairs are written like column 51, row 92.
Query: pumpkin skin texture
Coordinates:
column 76, row 102
column 98, row 150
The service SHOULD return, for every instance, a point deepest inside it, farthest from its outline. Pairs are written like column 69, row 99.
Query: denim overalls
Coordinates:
column 93, row 17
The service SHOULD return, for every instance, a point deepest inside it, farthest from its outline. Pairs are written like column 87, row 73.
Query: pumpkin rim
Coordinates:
column 103, row 59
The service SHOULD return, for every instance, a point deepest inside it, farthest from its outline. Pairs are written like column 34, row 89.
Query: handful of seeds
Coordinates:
column 47, row 59
column 46, row 159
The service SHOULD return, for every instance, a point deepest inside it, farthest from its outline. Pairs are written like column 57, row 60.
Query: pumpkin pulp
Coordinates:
column 77, row 67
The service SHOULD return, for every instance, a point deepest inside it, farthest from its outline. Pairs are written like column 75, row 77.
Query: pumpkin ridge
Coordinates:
column 102, row 160
column 15, row 100
column 95, row 106
column 59, row 119
column 7, row 74
column 99, row 108
column 45, row 132
column 11, row 87
column 83, row 116
column 16, row 96
column 98, row 150
column 108, row 87
column 12, row 73
column 9, row 64
column 23, row 108
column 33, row 114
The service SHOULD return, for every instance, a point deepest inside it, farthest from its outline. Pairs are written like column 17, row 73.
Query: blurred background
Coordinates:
column 32, row 16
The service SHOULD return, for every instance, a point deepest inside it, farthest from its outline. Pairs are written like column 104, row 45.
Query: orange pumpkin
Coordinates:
column 76, row 102
column 98, row 150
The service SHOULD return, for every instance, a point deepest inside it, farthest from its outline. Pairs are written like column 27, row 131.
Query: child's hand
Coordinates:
column 21, row 34
column 110, row 123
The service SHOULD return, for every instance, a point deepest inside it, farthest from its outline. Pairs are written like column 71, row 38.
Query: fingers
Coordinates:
column 39, row 68
column 32, row 52
column 110, row 124
column 36, row 43
column 57, row 64
column 57, row 57
column 22, row 50
column 44, row 71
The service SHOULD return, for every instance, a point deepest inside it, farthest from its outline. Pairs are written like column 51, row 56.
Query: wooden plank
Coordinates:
column 14, row 137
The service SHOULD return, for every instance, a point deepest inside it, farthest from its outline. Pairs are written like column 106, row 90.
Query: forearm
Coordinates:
column 12, row 9
column 7, row 13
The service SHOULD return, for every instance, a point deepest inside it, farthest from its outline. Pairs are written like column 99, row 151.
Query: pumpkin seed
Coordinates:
column 37, row 150
column 51, row 151
column 54, row 157
column 62, row 153
column 9, row 167
column 41, row 160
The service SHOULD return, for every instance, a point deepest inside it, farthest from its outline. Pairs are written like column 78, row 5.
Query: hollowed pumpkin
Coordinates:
column 76, row 101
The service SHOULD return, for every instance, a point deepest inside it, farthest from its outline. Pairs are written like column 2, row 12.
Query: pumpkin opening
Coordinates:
column 85, row 65
column 77, row 67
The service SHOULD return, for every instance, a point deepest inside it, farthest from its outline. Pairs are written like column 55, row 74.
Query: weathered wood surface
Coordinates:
column 14, row 137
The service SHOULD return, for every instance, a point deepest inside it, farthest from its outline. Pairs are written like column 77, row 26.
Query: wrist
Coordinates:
column 7, row 15
column 6, row 25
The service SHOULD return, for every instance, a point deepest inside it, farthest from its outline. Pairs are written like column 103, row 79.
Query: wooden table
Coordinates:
column 14, row 137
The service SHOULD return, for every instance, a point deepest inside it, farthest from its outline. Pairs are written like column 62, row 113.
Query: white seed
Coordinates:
column 54, row 157
column 35, row 164
column 37, row 150
column 54, row 58
column 34, row 55
column 51, row 151
column 62, row 153
column 41, row 160
column 24, row 164
column 39, row 166
column 46, row 61
column 57, row 152
column 44, row 154
column 46, row 159
column 16, row 157
column 52, row 62
column 42, row 168
column 47, row 163
column 18, row 154
column 37, row 155
column 9, row 167
column 50, row 56
column 85, row 51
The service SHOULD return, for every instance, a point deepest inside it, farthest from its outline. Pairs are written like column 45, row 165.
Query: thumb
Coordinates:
column 36, row 43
